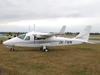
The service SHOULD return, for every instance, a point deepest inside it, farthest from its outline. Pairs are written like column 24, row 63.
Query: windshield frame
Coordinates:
column 22, row 36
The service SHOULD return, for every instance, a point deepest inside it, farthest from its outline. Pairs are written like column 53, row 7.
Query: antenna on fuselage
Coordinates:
column 29, row 28
column 34, row 33
column 34, row 28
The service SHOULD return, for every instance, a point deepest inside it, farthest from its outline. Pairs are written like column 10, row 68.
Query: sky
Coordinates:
column 49, row 15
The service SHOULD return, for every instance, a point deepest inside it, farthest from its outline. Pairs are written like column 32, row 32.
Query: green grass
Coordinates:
column 65, row 60
column 94, row 35
column 76, row 35
column 94, row 39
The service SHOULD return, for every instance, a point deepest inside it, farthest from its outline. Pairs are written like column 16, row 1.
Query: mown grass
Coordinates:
column 94, row 39
column 65, row 60
column 71, row 36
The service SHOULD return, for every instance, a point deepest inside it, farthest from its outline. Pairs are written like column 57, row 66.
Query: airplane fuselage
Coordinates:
column 49, row 42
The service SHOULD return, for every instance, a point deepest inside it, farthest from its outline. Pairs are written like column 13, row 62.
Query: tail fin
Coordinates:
column 84, row 35
column 62, row 30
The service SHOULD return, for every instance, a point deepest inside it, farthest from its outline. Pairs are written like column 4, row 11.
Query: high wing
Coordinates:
column 46, row 35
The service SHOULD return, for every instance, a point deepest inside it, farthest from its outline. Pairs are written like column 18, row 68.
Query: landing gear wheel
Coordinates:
column 11, row 49
column 46, row 50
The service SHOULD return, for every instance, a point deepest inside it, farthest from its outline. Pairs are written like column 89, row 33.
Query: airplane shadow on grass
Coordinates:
column 28, row 50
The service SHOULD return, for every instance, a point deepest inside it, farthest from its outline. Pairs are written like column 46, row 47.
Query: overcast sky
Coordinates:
column 49, row 15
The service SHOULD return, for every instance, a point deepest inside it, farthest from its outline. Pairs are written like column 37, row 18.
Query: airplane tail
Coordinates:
column 84, row 35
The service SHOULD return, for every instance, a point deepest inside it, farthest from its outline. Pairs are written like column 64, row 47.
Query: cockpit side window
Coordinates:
column 37, row 38
column 27, row 38
column 22, row 36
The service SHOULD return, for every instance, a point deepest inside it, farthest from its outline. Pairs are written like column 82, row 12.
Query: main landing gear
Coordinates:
column 44, row 49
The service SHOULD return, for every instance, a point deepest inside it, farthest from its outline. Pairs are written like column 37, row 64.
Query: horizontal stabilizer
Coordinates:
column 90, row 42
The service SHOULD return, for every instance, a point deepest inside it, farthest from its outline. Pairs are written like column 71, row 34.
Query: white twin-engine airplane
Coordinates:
column 44, row 40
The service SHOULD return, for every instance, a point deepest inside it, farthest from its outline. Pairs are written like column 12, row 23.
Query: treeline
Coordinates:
column 13, row 32
column 70, row 33
column 67, row 33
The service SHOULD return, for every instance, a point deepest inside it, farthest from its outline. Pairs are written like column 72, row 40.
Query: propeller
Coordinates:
column 29, row 28
column 34, row 28
column 34, row 34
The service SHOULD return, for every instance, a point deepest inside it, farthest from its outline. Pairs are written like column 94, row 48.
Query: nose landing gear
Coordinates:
column 12, row 49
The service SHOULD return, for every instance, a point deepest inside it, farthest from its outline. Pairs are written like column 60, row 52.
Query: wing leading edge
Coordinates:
column 46, row 35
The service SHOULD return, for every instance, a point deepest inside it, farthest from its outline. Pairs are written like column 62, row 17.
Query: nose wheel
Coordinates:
column 12, row 49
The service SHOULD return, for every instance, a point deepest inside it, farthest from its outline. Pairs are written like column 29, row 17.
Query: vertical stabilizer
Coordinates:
column 84, row 35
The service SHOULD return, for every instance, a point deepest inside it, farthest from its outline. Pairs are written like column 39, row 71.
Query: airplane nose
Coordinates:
column 4, row 43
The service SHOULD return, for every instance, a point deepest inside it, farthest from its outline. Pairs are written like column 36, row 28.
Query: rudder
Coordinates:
column 84, row 35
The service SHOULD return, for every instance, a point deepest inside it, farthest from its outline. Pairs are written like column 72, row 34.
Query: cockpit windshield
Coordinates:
column 22, row 36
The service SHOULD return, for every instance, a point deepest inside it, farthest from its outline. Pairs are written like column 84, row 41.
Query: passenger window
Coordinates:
column 35, row 37
column 27, row 38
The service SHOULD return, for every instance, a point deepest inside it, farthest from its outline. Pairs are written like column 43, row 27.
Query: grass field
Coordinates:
column 76, row 35
column 65, row 60
column 94, row 39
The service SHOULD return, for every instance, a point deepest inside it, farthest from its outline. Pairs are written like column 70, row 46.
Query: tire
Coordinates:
column 46, row 50
column 11, row 49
